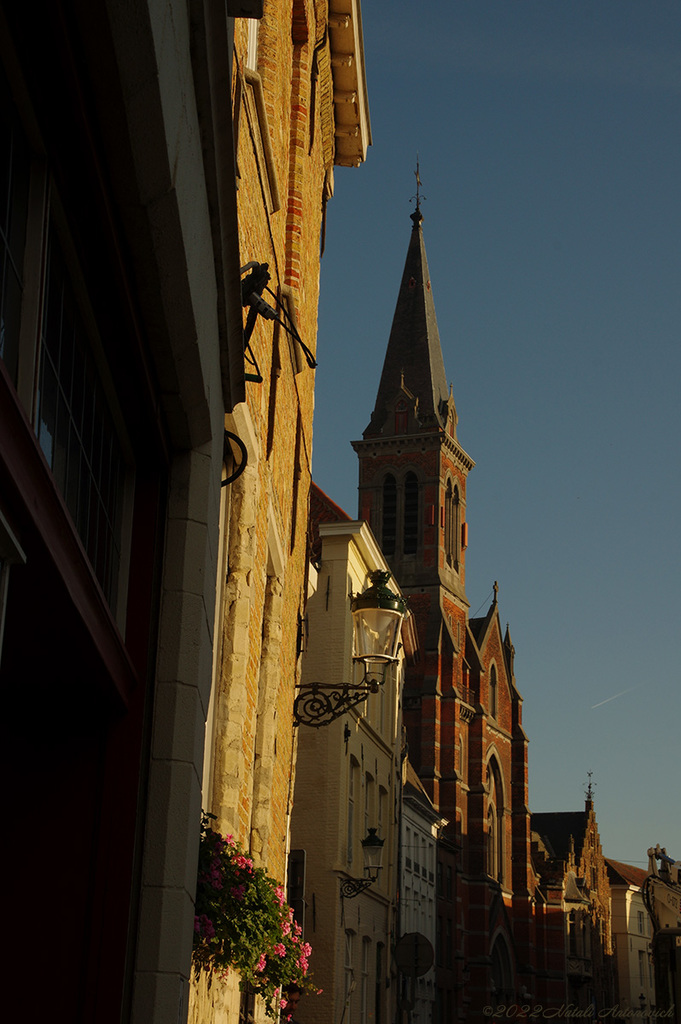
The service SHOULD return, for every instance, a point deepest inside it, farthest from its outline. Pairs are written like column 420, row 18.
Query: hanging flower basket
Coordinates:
column 243, row 923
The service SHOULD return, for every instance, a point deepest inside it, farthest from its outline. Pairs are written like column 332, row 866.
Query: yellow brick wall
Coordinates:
column 253, row 743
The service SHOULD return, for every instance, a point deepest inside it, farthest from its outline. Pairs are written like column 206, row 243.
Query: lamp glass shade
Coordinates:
column 377, row 616
column 372, row 849
column 377, row 633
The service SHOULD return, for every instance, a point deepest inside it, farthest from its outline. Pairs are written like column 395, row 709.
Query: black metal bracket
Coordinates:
column 351, row 887
column 320, row 704
column 227, row 453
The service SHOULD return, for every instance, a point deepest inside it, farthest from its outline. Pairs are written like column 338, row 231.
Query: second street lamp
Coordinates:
column 372, row 850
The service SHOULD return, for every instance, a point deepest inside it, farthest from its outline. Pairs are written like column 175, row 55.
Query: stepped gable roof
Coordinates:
column 555, row 829
column 413, row 361
column 624, row 874
column 322, row 510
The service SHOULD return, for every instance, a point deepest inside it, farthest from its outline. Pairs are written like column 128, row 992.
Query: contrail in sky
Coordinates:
column 615, row 696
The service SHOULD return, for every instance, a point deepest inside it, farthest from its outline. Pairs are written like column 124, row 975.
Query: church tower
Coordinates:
column 461, row 707
column 412, row 491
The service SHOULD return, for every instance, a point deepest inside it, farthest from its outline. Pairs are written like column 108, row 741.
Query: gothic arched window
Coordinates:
column 493, row 696
column 389, row 525
column 411, row 514
column 452, row 525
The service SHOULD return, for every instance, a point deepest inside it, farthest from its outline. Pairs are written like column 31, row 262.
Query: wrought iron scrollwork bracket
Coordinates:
column 320, row 703
column 351, row 887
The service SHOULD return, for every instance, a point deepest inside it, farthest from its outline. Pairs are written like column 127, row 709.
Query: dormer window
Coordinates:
column 401, row 417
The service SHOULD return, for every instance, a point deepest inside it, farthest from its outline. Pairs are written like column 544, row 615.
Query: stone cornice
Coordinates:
column 417, row 442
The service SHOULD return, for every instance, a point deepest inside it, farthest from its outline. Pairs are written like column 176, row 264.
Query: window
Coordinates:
column 389, row 515
column 411, row 513
column 493, row 691
column 57, row 365
column 379, row 979
column 75, row 429
column 352, row 785
column 640, row 922
column 14, row 181
column 642, row 967
column 364, row 993
column 452, row 524
column 349, row 975
column 401, row 417
column 368, row 803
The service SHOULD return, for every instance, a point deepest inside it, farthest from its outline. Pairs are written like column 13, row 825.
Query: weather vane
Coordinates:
column 418, row 197
column 589, row 791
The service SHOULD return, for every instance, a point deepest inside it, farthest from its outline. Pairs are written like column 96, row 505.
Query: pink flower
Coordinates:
column 260, row 966
column 279, row 893
column 280, row 949
column 286, row 928
column 283, row 1004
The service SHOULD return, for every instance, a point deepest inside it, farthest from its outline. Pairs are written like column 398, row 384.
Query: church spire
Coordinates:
column 413, row 361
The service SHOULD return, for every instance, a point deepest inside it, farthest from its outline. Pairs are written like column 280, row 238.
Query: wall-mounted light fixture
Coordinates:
column 377, row 617
column 372, row 850
column 252, row 288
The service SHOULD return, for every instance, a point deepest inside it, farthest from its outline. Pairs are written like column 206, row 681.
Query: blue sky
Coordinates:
column 548, row 135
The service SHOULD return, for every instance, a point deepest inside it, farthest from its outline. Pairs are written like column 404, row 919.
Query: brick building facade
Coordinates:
column 573, row 882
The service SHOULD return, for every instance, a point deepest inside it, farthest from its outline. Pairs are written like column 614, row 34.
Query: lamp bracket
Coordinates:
column 318, row 704
column 351, row 887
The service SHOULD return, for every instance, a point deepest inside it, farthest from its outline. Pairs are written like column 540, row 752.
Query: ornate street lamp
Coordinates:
column 377, row 617
column 372, row 850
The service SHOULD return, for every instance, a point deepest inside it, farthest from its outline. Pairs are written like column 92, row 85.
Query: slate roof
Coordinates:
column 555, row 829
column 413, row 359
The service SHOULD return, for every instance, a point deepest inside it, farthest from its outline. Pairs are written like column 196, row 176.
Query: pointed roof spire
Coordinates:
column 413, row 360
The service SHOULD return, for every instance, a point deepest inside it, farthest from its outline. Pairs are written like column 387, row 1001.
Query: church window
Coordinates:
column 495, row 823
column 452, row 525
column 389, row 515
column 491, row 843
column 411, row 513
column 401, row 417
column 493, row 697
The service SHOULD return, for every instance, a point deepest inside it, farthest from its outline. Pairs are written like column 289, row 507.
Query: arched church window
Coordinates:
column 389, row 525
column 495, row 823
column 452, row 525
column 493, row 691
column 491, row 842
column 502, row 973
column 401, row 417
column 411, row 513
